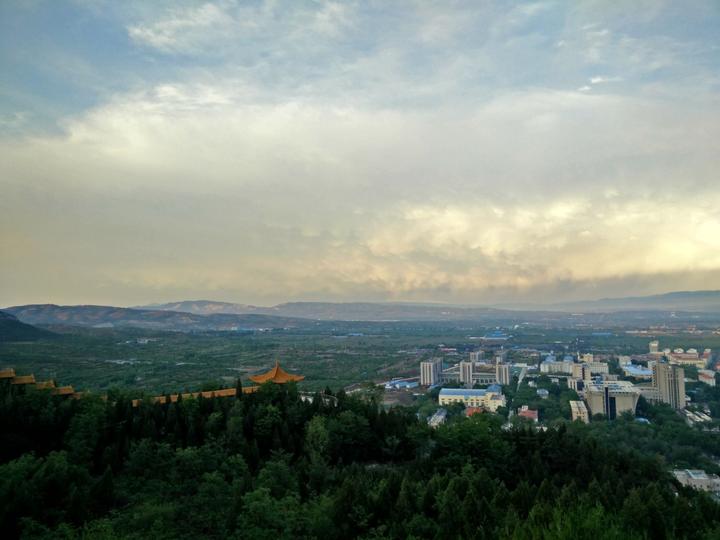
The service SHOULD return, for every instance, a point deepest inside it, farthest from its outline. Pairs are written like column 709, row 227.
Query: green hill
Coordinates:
column 13, row 330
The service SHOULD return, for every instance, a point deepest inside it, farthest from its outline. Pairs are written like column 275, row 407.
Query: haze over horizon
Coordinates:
column 264, row 152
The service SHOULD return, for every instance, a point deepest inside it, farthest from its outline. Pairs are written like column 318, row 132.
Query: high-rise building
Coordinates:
column 670, row 382
column 502, row 374
column 466, row 372
column 612, row 398
column 582, row 371
column 654, row 346
column 431, row 372
column 475, row 356
column 577, row 384
column 579, row 411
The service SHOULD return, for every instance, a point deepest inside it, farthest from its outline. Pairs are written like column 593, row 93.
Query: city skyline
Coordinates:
column 262, row 152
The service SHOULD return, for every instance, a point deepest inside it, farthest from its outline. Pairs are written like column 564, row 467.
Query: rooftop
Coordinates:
column 462, row 392
column 613, row 386
column 532, row 414
column 631, row 369
column 277, row 375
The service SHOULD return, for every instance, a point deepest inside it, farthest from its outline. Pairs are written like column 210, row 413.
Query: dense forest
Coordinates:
column 271, row 465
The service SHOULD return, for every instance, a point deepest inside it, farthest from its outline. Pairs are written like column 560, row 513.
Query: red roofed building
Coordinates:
column 530, row 414
column 469, row 411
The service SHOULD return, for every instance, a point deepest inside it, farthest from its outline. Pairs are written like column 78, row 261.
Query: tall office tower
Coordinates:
column 502, row 373
column 466, row 373
column 654, row 346
column 579, row 411
column 431, row 372
column 582, row 371
column 475, row 356
column 612, row 398
column 670, row 382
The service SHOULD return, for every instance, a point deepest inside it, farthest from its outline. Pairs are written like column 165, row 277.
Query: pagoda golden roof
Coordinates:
column 23, row 379
column 8, row 373
column 276, row 375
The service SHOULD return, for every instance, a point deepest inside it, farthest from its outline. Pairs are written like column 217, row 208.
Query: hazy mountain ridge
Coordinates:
column 699, row 301
column 11, row 329
column 340, row 311
column 204, row 307
column 690, row 301
column 109, row 316
column 207, row 315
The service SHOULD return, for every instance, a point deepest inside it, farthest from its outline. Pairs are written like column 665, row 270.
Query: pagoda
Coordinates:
column 276, row 375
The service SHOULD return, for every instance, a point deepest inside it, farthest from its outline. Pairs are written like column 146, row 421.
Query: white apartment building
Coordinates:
column 431, row 372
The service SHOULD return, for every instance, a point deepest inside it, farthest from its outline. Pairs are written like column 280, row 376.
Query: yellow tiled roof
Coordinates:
column 277, row 375
column 24, row 379
column 208, row 394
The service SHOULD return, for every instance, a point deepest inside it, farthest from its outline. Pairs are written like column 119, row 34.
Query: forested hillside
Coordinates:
column 13, row 330
column 271, row 466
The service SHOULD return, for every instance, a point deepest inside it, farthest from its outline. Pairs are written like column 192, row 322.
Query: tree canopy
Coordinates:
column 272, row 466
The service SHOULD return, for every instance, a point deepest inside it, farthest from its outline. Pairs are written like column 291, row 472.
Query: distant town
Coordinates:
column 518, row 382
column 478, row 381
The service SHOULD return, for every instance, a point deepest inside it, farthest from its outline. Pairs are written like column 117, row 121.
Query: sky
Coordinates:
column 260, row 152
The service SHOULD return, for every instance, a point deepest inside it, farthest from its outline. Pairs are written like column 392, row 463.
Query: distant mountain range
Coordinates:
column 205, row 307
column 697, row 301
column 13, row 330
column 335, row 311
column 207, row 315
column 694, row 301
column 116, row 317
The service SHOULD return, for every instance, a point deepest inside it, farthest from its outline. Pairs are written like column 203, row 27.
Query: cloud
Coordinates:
column 206, row 188
column 429, row 151
column 11, row 122
column 333, row 18
column 599, row 79
column 184, row 30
